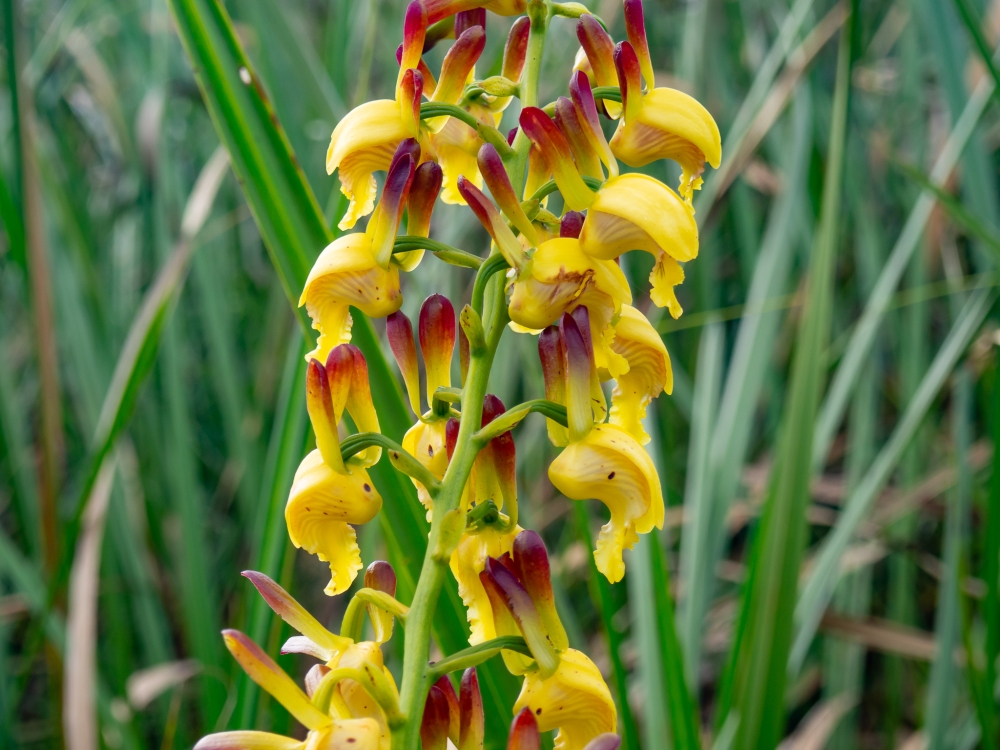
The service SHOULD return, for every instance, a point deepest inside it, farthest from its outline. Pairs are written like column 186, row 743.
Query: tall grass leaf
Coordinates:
column 826, row 569
column 294, row 231
column 991, row 547
column 760, row 671
column 941, row 689
column 17, row 451
column 863, row 337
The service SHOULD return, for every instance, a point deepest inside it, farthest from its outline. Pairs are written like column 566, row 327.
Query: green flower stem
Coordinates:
column 488, row 133
column 611, row 93
column 475, row 655
column 513, row 417
column 493, row 264
column 451, row 255
column 354, row 618
column 539, row 13
column 550, row 187
column 399, row 457
column 325, row 691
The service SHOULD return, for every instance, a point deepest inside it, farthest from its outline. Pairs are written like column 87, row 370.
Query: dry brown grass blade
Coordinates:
column 881, row 635
column 781, row 93
column 815, row 729
column 80, row 675
column 146, row 685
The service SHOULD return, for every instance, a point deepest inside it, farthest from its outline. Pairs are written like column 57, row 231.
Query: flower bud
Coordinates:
column 630, row 75
column 451, row 436
column 347, row 373
column 495, row 174
column 524, row 732
column 586, row 158
column 586, row 110
column 515, row 598
column 571, row 224
column 580, row 369
column 515, row 51
column 458, row 64
column 491, row 219
column 389, row 211
column 436, row 328
column 381, row 577
column 553, row 358
column 635, row 27
column 599, row 49
column 531, row 564
column 444, row 685
column 411, row 89
column 319, row 404
column 399, row 331
column 544, row 134
column 430, row 82
column 414, row 31
column 435, row 723
column 423, row 194
column 471, row 720
column 468, row 19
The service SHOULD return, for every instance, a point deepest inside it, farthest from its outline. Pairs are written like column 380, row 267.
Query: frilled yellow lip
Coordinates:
column 611, row 466
column 575, row 700
column 467, row 562
column 367, row 127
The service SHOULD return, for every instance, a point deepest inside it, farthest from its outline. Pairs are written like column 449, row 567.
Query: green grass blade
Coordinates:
column 823, row 579
column 991, row 547
column 863, row 337
column 769, row 598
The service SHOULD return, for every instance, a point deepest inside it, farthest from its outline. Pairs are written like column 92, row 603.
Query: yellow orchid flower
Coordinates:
column 649, row 372
column 366, row 139
column 467, row 562
column 325, row 731
column 637, row 212
column 600, row 461
column 575, row 700
column 663, row 123
column 327, row 493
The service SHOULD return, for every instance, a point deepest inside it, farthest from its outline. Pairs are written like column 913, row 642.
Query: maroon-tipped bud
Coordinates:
column 436, row 329
column 407, row 147
column 569, row 124
column 424, row 191
column 581, row 316
column 581, row 373
column 515, row 51
column 552, row 145
column 505, row 464
column 492, row 408
column 427, row 77
column 493, row 222
column 599, row 47
column 586, row 110
column 463, row 354
column 414, row 31
column 436, row 721
column 468, row 19
column 635, row 27
column 381, row 577
column 411, row 89
column 630, row 78
column 324, row 418
column 495, row 174
column 458, row 63
column 289, row 610
column 472, row 728
column 451, row 436
column 394, row 195
column 444, row 685
column 524, row 733
column 511, row 135
column 571, row 224
column 531, row 563
column 605, row 741
column 514, row 596
column 552, row 355
column 399, row 331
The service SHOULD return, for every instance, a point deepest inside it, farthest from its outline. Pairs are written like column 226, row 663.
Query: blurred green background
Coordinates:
column 830, row 556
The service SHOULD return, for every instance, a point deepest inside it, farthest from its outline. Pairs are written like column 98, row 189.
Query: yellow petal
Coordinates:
column 363, row 143
column 467, row 562
column 345, row 274
column 670, row 125
column 637, row 212
column 611, row 466
column 357, row 699
column 355, row 734
column 649, row 372
column 426, row 442
column 575, row 700
column 320, row 506
column 456, row 146
column 666, row 274
column 248, row 741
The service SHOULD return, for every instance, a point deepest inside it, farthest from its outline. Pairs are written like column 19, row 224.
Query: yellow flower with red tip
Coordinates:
column 600, row 461
column 662, row 123
column 328, row 495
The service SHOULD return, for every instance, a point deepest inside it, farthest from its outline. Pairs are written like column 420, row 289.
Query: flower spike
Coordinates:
column 635, row 27
column 437, row 342
column 586, row 107
column 472, row 728
column 524, row 733
column 399, row 331
column 567, row 120
column 261, row 669
column 544, row 134
column 490, row 218
column 630, row 75
column 492, row 168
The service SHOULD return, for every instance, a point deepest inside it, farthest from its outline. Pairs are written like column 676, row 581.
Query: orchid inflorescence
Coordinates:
column 554, row 276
